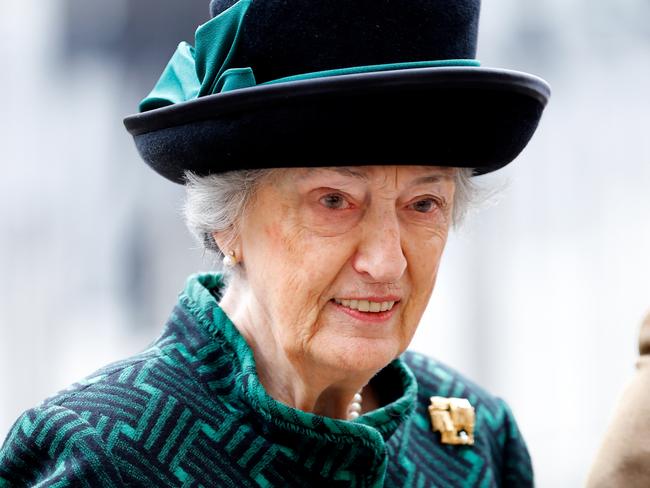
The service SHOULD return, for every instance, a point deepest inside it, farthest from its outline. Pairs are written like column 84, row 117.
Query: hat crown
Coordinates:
column 281, row 38
column 366, row 73
column 218, row 6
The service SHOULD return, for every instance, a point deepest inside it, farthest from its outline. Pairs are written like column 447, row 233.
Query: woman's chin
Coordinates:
column 359, row 355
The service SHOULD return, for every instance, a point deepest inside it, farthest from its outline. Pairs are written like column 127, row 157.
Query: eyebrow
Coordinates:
column 348, row 171
column 343, row 170
column 430, row 179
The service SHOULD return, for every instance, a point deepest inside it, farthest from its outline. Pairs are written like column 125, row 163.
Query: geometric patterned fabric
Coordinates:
column 190, row 411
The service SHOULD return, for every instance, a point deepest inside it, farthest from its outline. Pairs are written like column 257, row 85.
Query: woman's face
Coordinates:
column 341, row 262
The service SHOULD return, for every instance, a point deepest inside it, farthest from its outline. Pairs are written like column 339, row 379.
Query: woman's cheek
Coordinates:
column 423, row 263
column 308, row 274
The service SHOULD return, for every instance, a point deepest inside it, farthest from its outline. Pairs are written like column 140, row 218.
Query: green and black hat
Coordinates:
column 295, row 83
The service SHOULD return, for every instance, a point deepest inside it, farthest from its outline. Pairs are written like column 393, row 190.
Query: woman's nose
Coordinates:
column 379, row 255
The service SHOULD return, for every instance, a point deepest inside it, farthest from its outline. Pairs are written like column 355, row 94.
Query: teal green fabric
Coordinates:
column 190, row 410
column 206, row 69
column 374, row 68
column 194, row 72
column 179, row 81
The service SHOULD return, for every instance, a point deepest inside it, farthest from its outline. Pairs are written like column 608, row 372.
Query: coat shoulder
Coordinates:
column 87, row 432
column 51, row 445
column 116, row 373
column 435, row 378
column 499, row 446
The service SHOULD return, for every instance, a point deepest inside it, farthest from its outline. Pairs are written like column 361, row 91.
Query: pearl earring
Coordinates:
column 230, row 260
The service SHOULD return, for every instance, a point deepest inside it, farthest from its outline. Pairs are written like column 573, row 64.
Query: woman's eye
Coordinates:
column 425, row 205
column 334, row 201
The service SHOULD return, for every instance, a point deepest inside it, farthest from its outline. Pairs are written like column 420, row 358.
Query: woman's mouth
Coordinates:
column 374, row 311
column 366, row 305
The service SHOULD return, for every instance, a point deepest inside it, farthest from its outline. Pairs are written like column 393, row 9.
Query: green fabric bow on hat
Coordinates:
column 206, row 69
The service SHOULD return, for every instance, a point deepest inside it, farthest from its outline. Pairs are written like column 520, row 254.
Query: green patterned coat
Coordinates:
column 191, row 411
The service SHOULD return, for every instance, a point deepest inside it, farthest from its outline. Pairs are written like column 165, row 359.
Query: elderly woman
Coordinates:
column 327, row 149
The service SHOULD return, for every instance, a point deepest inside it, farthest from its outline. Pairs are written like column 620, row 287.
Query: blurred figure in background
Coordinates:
column 624, row 456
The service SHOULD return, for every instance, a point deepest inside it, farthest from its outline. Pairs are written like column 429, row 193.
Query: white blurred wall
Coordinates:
column 539, row 297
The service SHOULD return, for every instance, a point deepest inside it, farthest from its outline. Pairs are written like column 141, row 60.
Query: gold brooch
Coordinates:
column 454, row 419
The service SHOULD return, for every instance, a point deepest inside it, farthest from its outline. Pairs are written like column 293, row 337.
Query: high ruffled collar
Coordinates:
column 373, row 428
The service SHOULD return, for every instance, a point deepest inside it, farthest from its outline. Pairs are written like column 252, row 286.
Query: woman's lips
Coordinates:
column 367, row 304
column 373, row 317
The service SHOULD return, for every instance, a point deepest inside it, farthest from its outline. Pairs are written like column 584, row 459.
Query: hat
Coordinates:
column 297, row 83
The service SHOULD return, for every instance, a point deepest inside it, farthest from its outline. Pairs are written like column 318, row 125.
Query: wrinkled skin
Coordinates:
column 312, row 235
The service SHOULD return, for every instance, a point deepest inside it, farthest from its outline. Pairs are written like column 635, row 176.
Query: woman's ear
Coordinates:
column 228, row 245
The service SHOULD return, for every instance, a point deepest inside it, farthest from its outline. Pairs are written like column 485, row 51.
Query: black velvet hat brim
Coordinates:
column 469, row 117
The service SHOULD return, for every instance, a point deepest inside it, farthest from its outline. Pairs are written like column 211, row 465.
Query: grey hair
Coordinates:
column 467, row 195
column 217, row 203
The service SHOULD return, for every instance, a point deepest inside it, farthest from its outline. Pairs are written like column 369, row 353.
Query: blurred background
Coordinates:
column 540, row 295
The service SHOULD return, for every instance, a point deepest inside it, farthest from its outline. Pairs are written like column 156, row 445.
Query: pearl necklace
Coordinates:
column 354, row 409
